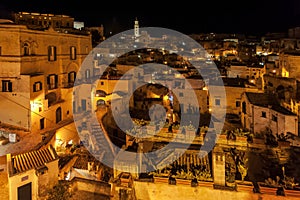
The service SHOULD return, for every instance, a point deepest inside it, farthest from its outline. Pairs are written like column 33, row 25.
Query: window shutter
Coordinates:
column 10, row 86
column 54, row 53
column 49, row 55
column 69, row 77
column 56, row 80
column 48, row 80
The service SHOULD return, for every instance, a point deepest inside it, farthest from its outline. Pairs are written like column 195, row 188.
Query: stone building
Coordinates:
column 289, row 62
column 44, row 20
column 37, row 73
column 260, row 111
column 32, row 174
column 252, row 72
column 234, row 88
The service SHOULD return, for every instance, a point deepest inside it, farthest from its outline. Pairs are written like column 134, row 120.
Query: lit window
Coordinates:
column 52, row 81
column 73, row 53
column 37, row 86
column 51, row 53
column 71, row 77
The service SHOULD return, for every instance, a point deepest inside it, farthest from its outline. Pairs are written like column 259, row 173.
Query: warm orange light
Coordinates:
column 166, row 97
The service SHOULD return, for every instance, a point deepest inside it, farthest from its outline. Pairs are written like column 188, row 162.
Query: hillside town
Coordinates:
column 218, row 120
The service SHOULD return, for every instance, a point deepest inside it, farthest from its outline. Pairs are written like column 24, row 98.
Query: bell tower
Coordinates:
column 136, row 28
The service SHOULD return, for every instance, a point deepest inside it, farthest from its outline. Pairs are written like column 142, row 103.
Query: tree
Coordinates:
column 59, row 191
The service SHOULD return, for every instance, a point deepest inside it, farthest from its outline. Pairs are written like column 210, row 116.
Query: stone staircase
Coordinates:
column 102, row 146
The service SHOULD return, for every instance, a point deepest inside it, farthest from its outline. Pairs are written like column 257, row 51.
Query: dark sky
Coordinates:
column 249, row 17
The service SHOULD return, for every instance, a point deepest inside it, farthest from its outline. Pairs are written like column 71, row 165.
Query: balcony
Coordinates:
column 67, row 84
column 52, row 86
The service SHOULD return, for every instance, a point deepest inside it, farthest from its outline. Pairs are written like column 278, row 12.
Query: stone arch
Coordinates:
column 289, row 93
column 100, row 93
column 70, row 73
column 26, row 48
column 101, row 102
column 72, row 66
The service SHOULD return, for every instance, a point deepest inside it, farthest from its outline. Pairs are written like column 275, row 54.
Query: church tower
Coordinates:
column 136, row 28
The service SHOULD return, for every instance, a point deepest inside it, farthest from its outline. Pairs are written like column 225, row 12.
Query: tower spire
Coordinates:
column 136, row 28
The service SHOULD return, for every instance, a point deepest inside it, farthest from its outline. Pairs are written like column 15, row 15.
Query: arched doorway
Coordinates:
column 58, row 114
column 100, row 102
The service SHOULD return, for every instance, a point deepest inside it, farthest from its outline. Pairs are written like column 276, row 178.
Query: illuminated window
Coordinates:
column 51, row 53
column 37, row 86
column 73, row 53
column 71, row 78
column 6, row 86
column 52, row 81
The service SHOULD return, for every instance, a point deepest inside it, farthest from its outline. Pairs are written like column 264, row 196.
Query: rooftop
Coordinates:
column 261, row 99
column 32, row 160
column 267, row 100
column 292, row 52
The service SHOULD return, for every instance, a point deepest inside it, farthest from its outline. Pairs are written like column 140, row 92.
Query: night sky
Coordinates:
column 249, row 17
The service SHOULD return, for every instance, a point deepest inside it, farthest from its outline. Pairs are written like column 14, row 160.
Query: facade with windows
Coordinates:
column 44, row 20
column 260, row 111
column 234, row 88
column 37, row 73
column 32, row 174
